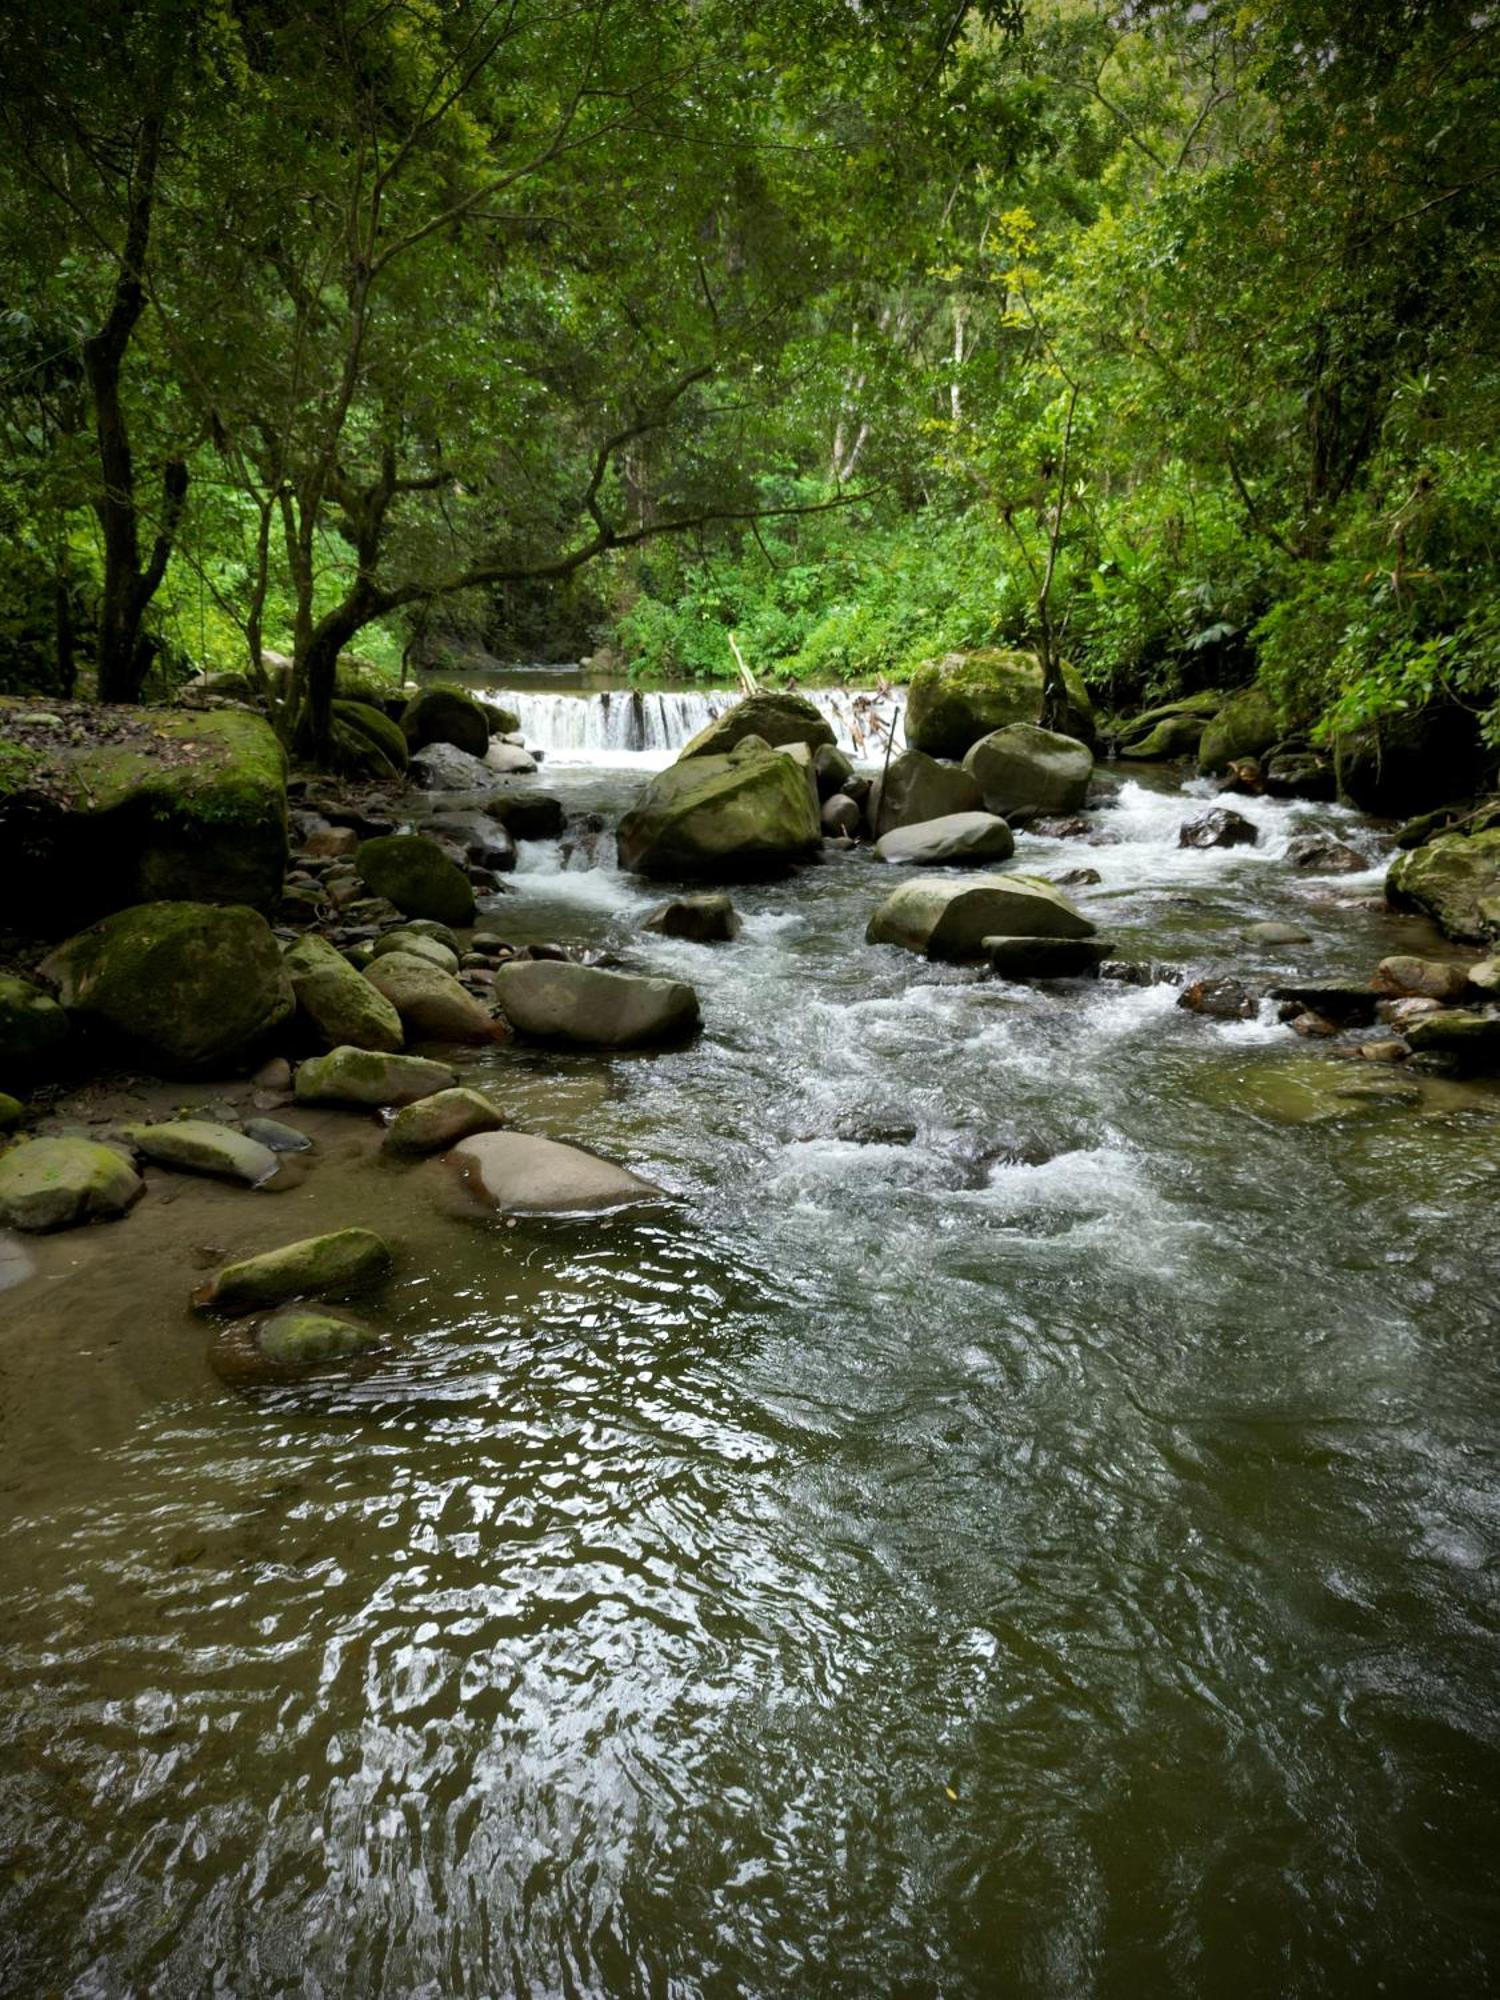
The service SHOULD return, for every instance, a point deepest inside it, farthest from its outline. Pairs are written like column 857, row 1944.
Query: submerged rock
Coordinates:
column 288, row 1346
column 719, row 818
column 1272, row 932
column 196, row 1146
column 435, row 1123
column 432, row 1004
column 947, row 917
column 709, row 918
column 337, row 1002
column 965, row 839
column 1455, row 880
column 915, row 789
column 775, row 718
column 54, row 1183
column 1026, row 770
column 953, row 701
column 369, row 1078
column 1307, row 1089
column 1219, row 999
column 192, row 985
column 1219, row 827
column 414, row 873
column 587, row 1007
column 316, row 1267
column 517, row 1172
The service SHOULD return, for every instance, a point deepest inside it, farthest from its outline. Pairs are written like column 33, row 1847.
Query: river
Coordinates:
column 1022, row 1522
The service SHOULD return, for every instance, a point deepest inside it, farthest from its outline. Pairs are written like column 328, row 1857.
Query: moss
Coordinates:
column 317, row 1267
column 368, row 740
column 414, row 873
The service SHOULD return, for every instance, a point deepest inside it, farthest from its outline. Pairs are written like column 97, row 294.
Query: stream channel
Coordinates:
column 1021, row 1521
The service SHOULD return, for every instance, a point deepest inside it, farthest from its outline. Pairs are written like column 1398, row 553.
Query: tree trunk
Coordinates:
column 316, row 677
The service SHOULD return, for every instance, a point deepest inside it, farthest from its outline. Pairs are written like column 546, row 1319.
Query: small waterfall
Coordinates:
column 631, row 722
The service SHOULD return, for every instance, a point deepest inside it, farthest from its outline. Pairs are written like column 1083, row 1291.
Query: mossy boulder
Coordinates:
column 317, row 1267
column 1246, row 726
column 915, row 788
column 153, row 804
column 1170, row 729
column 54, row 1183
column 431, row 1003
column 958, row 840
column 33, row 1029
column 1023, row 770
column 369, row 1079
column 338, row 1003
column 190, row 986
column 943, row 916
column 435, row 1123
column 417, row 876
column 954, row 701
column 1455, row 880
column 775, row 718
column 366, row 743
column 199, row 1146
column 446, row 715
column 721, row 818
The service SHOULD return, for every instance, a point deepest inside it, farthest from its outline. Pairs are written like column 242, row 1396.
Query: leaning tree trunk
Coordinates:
column 316, row 678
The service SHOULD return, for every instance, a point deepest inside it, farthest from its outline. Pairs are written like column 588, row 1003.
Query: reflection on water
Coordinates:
column 1025, row 1525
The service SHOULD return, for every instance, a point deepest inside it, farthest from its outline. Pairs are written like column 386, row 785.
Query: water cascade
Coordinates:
column 629, row 722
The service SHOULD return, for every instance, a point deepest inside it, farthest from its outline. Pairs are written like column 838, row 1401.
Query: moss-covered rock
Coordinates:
column 416, row 944
column 435, row 1123
column 775, row 718
column 366, row 743
column 158, row 803
column 288, row 1346
column 1023, row 770
column 190, row 986
column 1246, row 726
column 54, row 1183
column 416, row 875
column 1170, row 729
column 944, row 916
column 432, row 1005
column 954, row 701
column 366, row 1078
column 957, row 840
column 446, row 715
column 1465, row 1037
column 339, row 1005
column 199, row 1146
column 721, row 818
column 1455, row 880
column 33, row 1029
column 318, row 1267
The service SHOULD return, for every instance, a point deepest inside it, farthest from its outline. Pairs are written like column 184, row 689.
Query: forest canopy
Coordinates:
column 1161, row 335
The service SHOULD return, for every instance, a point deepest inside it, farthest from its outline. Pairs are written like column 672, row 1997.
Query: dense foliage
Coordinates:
column 1161, row 335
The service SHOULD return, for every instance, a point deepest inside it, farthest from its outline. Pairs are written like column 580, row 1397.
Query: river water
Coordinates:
column 1021, row 1521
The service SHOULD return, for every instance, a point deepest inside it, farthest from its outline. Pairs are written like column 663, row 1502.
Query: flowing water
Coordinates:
column 1021, row 1520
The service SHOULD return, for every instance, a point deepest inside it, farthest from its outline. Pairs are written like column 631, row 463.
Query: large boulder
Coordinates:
column 1408, row 764
column 720, row 818
column 446, row 715
column 774, row 718
column 33, row 1029
column 1455, row 880
column 583, row 1006
column 367, row 1078
column 432, row 1005
column 53, row 1183
column 366, row 743
column 316, row 1267
column 962, row 840
column 337, row 1002
column 189, row 986
column 516, row 1172
column 914, row 788
column 1245, row 726
column 414, row 873
column 150, row 804
column 442, row 768
column 1023, row 770
column 954, row 701
column 946, row 917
